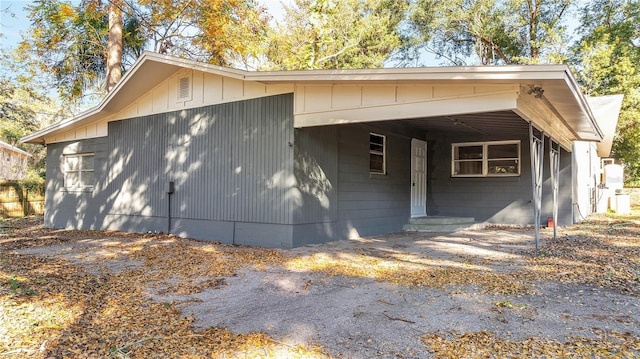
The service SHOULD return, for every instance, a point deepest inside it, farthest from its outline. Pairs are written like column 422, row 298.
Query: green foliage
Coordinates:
column 323, row 34
column 492, row 31
column 607, row 58
column 17, row 286
column 69, row 42
column 222, row 32
column 25, row 107
column 14, row 284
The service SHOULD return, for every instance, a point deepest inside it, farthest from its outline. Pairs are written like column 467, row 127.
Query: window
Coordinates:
column 78, row 171
column 377, row 163
column 485, row 159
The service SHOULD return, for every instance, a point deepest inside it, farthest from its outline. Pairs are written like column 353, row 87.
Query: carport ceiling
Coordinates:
column 487, row 124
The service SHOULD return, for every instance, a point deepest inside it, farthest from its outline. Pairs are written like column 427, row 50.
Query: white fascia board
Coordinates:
column 200, row 66
column 59, row 126
column 573, row 86
column 449, row 75
column 495, row 74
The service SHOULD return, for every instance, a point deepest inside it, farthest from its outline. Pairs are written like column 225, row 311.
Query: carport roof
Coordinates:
column 561, row 90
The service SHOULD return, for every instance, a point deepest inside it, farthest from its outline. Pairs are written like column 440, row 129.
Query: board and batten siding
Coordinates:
column 340, row 197
column 82, row 209
column 231, row 164
column 316, row 174
column 500, row 200
column 371, row 203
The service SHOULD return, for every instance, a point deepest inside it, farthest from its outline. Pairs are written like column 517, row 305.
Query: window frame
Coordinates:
column 80, row 171
column 382, row 153
column 485, row 160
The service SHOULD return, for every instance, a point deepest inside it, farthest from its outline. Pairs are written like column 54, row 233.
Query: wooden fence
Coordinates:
column 21, row 198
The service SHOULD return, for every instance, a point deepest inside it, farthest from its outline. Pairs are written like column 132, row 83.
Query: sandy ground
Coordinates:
column 356, row 317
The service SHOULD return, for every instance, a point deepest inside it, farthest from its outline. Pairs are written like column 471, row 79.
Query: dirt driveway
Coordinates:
column 407, row 295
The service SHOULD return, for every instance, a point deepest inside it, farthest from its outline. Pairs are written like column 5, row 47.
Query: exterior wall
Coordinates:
column 242, row 174
column 13, row 165
column 206, row 89
column 339, row 197
column 231, row 165
column 76, row 209
column 506, row 200
column 586, row 176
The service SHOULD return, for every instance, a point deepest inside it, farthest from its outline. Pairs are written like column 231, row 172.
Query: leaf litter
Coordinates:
column 53, row 307
column 76, row 313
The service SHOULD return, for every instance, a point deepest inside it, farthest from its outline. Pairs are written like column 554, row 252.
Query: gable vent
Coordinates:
column 184, row 88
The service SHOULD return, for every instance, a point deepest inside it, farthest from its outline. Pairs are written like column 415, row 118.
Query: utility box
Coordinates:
column 613, row 176
column 623, row 203
column 168, row 187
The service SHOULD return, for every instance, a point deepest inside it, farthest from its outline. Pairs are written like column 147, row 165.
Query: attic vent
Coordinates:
column 184, row 88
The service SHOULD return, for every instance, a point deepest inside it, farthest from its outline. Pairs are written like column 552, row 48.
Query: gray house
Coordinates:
column 283, row 159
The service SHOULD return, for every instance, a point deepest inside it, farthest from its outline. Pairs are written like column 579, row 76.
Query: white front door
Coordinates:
column 418, row 178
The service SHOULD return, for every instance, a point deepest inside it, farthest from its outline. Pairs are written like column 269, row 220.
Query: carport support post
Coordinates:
column 554, row 163
column 537, row 161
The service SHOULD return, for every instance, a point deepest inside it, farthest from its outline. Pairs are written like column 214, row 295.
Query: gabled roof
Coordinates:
column 561, row 90
column 13, row 149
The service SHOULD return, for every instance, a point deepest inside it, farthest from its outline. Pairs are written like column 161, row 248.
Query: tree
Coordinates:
column 493, row 31
column 221, row 32
column 114, row 44
column 607, row 58
column 24, row 108
column 71, row 42
column 321, row 34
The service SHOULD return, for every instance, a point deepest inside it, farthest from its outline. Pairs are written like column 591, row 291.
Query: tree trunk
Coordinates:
column 114, row 45
column 534, row 22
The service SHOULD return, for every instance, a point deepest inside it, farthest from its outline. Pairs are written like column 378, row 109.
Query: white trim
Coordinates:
column 418, row 182
column 79, row 187
column 378, row 153
column 563, row 90
column 485, row 159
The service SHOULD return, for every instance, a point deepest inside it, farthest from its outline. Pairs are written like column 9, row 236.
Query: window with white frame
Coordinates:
column 78, row 171
column 377, row 154
column 485, row 159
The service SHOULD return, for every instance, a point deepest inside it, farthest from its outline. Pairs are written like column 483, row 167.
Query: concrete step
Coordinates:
column 442, row 224
column 441, row 220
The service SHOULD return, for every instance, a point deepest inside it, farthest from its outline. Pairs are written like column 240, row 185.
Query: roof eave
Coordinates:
column 573, row 86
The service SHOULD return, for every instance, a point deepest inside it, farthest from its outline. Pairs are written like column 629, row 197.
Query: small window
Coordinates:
column 485, row 159
column 377, row 150
column 78, row 171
